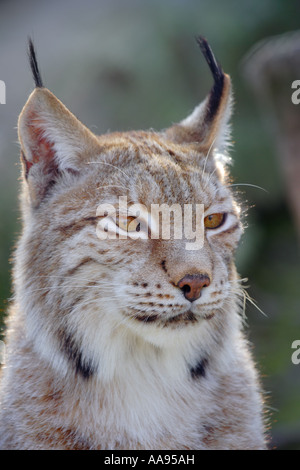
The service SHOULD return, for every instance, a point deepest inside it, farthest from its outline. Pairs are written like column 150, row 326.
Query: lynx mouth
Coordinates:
column 186, row 317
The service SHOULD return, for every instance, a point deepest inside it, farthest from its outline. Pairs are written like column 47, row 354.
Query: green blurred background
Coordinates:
column 125, row 64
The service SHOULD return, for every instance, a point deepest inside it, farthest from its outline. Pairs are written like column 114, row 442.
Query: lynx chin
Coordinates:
column 127, row 342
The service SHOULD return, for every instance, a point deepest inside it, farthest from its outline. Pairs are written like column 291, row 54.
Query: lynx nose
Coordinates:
column 192, row 284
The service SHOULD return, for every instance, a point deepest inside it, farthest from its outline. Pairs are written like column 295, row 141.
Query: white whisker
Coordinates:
column 114, row 166
column 247, row 184
column 254, row 304
column 113, row 186
column 206, row 158
column 209, row 177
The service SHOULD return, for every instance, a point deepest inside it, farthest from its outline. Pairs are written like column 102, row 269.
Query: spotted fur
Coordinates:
column 104, row 350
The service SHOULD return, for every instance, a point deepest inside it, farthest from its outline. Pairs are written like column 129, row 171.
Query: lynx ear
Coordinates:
column 207, row 126
column 52, row 139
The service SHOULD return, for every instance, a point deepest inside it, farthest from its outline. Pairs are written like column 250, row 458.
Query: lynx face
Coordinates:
column 82, row 291
column 125, row 330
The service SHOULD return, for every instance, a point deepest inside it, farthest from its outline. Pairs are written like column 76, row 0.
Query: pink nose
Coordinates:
column 192, row 284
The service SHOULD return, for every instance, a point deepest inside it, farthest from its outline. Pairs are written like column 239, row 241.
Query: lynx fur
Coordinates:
column 127, row 343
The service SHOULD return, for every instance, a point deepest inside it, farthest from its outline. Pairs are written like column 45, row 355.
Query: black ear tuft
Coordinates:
column 33, row 64
column 215, row 68
column 218, row 76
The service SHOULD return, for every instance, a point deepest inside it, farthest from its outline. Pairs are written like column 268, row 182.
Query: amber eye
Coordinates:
column 214, row 220
column 129, row 224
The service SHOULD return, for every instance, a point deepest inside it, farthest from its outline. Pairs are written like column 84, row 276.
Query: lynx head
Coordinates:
column 90, row 300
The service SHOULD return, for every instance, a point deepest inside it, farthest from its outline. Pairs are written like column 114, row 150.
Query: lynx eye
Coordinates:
column 214, row 220
column 128, row 224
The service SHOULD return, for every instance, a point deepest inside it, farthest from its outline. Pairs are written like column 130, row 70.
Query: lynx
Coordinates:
column 127, row 342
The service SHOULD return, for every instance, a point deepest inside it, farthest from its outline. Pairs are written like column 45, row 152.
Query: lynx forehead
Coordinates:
column 130, row 341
